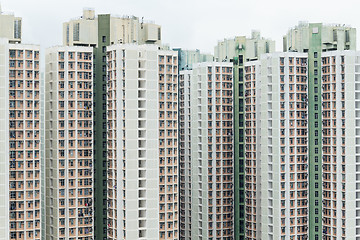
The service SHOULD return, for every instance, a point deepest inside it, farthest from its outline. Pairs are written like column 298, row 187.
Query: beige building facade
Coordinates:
column 142, row 123
column 69, row 143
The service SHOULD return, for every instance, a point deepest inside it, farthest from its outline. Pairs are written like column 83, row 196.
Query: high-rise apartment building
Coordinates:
column 340, row 84
column 276, row 147
column 142, row 124
column 100, row 31
column 24, row 141
column 69, row 143
column 21, row 176
column 240, row 50
column 206, row 151
column 315, row 39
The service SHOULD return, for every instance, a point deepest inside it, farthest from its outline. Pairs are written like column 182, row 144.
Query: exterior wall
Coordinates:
column 82, row 31
column 10, row 27
column 189, row 57
column 333, row 37
column 341, row 190
column 315, row 130
column 252, row 47
column 142, row 143
column 239, row 51
column 239, row 150
column 99, row 32
column 42, row 156
column 4, row 141
column 149, row 33
column 315, row 39
column 185, row 154
column 276, row 182
column 125, row 29
column 24, row 141
column 209, row 117
column 69, row 143
column 252, row 150
column 100, row 130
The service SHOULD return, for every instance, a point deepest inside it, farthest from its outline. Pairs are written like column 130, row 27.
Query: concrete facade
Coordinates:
column 241, row 50
column 276, row 147
column 69, row 143
column 315, row 39
column 142, row 123
column 206, row 151
column 83, row 31
column 10, row 27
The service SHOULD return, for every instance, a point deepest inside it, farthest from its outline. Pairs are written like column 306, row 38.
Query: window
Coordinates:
column 315, row 54
column 76, row 32
column 12, row 53
column 17, row 28
column 241, row 59
column 104, row 39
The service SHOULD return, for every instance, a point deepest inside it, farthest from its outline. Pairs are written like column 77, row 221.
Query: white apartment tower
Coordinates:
column 20, row 174
column 276, row 177
column 142, row 122
column 69, row 143
column 21, row 184
column 206, row 151
column 341, row 144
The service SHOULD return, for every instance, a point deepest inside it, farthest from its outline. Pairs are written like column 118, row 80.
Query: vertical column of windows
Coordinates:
column 250, row 151
column 24, row 122
column 112, row 136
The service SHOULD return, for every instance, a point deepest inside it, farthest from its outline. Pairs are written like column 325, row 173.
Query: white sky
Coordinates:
column 189, row 24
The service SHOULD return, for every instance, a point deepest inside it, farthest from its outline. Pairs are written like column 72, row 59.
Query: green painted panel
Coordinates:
column 315, row 133
column 100, row 159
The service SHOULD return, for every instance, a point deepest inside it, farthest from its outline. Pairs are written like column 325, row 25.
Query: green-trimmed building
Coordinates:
column 100, row 31
column 188, row 57
column 315, row 39
column 240, row 50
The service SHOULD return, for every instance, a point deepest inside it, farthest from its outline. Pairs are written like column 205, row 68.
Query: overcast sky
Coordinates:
column 189, row 24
